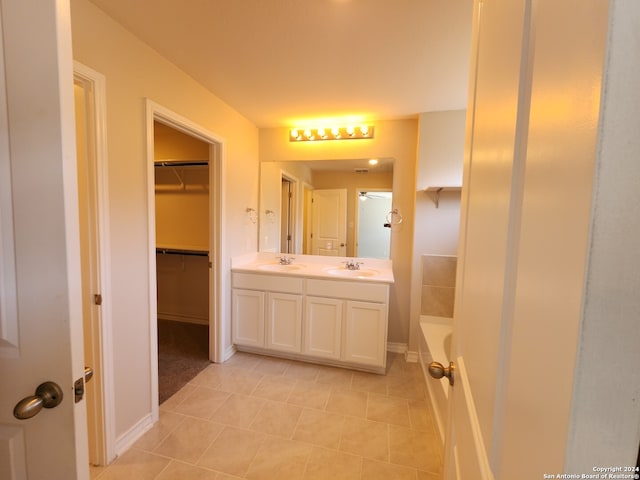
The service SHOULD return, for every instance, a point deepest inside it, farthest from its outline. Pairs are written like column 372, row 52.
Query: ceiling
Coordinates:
column 284, row 63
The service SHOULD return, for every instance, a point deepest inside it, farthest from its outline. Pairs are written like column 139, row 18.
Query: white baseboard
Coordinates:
column 411, row 357
column 124, row 442
column 395, row 347
column 229, row 352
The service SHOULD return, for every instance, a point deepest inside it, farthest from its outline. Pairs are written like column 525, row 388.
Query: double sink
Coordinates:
column 321, row 266
column 337, row 271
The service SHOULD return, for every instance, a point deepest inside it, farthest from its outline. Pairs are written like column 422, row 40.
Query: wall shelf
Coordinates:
column 434, row 192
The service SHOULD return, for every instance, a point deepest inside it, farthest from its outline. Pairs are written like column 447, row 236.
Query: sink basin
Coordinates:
column 277, row 267
column 344, row 272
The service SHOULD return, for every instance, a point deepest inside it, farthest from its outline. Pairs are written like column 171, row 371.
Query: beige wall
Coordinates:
column 134, row 72
column 393, row 138
column 440, row 158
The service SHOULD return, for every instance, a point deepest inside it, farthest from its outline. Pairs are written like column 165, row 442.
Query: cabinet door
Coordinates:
column 284, row 322
column 248, row 317
column 365, row 333
column 323, row 327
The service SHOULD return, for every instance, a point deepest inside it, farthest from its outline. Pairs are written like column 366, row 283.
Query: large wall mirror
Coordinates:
column 327, row 207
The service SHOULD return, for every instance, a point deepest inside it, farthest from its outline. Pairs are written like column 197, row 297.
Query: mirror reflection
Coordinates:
column 326, row 207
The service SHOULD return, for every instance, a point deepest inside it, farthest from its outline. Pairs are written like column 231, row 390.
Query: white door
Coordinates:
column 40, row 304
column 484, row 243
column 524, row 234
column 329, row 217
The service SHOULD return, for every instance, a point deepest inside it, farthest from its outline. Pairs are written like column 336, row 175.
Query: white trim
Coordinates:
column 411, row 356
column 229, row 352
column 98, row 85
column 395, row 347
column 156, row 112
column 131, row 436
column 468, row 403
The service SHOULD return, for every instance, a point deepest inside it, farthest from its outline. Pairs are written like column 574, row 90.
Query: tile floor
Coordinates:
column 264, row 418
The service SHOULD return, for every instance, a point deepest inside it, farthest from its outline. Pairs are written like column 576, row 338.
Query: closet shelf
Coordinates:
column 434, row 192
column 180, row 174
column 181, row 251
column 181, row 163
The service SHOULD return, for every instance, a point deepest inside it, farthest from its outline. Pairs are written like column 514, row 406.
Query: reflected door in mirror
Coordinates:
column 329, row 220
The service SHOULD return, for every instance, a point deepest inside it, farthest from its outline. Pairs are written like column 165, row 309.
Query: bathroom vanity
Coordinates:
column 314, row 308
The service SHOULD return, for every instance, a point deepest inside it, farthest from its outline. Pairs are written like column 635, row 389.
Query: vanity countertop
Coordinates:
column 315, row 266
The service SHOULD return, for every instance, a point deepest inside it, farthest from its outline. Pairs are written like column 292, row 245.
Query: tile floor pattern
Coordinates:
column 263, row 418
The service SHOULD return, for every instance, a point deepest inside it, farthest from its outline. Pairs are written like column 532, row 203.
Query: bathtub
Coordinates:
column 435, row 346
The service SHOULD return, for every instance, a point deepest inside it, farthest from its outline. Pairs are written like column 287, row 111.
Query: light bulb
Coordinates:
column 350, row 131
column 365, row 130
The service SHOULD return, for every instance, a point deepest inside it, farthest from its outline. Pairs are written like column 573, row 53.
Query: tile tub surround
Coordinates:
column 438, row 285
column 257, row 417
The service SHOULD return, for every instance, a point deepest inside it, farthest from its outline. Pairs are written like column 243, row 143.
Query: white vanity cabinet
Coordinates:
column 284, row 328
column 365, row 337
column 323, row 327
column 267, row 311
column 248, row 317
column 361, row 310
column 336, row 322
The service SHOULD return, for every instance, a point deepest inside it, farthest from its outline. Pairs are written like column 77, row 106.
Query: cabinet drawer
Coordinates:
column 370, row 292
column 271, row 283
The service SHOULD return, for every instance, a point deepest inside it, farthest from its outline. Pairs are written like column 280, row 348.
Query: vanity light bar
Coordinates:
column 333, row 133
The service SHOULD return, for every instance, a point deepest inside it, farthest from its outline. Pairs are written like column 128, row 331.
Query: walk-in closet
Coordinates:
column 182, row 256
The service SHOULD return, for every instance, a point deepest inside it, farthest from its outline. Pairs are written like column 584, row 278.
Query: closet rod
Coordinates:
column 178, row 251
column 181, row 163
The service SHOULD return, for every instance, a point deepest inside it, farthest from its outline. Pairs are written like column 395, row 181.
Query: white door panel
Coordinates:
column 40, row 304
column 329, row 213
column 526, row 202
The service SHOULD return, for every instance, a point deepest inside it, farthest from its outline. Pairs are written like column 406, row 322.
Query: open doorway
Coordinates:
column 288, row 215
column 194, row 193
column 181, row 167
column 373, row 228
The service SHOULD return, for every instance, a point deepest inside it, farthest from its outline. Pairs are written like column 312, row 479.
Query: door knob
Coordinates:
column 437, row 370
column 48, row 395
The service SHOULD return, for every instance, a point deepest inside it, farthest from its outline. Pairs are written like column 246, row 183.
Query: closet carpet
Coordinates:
column 183, row 352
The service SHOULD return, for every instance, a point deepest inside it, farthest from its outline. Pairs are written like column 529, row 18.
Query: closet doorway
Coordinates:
column 184, row 205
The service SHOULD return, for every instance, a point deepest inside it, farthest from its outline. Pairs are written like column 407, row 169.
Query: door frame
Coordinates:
column 294, row 222
column 156, row 112
column 101, row 360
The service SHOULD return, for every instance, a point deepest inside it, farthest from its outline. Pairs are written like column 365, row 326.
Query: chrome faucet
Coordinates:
column 284, row 260
column 352, row 265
